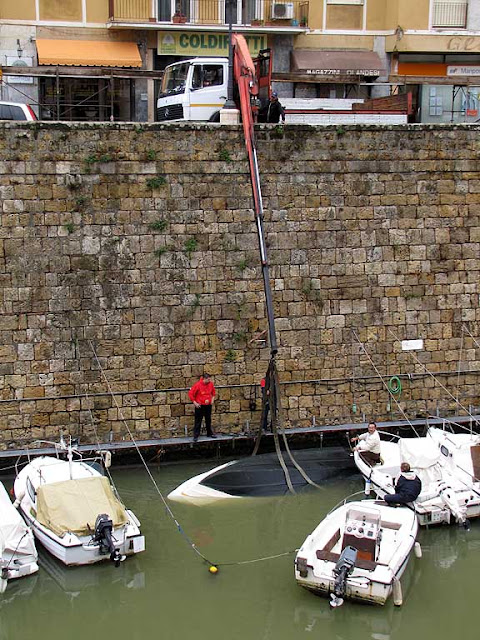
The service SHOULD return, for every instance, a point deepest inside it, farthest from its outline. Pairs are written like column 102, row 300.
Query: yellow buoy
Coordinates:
column 213, row 569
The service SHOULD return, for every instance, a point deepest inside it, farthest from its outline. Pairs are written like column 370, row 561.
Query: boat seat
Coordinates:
column 329, row 556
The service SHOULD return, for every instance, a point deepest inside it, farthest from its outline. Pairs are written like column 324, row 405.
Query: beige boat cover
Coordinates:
column 73, row 505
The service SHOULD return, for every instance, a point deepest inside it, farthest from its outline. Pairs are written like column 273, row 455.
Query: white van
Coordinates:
column 193, row 89
column 16, row 111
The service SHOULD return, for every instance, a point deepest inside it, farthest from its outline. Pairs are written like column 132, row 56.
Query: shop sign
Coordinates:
column 461, row 70
column 342, row 72
column 194, row 43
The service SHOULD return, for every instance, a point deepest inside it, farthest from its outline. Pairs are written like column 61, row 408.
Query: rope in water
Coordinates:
column 213, row 565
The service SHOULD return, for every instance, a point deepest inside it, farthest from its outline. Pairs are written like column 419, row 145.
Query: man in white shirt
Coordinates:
column 369, row 445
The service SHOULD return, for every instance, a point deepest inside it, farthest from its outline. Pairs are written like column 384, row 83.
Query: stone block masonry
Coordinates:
column 137, row 246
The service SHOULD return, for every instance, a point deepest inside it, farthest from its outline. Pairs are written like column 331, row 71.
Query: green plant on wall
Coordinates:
column 158, row 225
column 224, row 155
column 230, row 356
column 160, row 251
column 69, row 227
column 106, row 157
column 151, row 155
column 190, row 246
column 156, row 182
column 89, row 161
column 80, row 202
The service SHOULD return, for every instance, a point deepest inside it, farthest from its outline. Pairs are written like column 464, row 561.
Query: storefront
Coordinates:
column 321, row 73
column 84, row 95
column 448, row 85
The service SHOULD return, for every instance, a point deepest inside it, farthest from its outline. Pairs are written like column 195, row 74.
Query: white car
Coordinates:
column 16, row 111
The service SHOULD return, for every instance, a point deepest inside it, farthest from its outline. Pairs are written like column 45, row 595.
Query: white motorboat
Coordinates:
column 359, row 551
column 262, row 475
column 448, row 465
column 18, row 555
column 74, row 511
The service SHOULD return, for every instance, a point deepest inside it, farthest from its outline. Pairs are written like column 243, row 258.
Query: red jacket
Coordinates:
column 202, row 392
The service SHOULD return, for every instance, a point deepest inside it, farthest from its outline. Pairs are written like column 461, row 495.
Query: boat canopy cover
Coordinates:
column 73, row 505
column 12, row 527
column 420, row 453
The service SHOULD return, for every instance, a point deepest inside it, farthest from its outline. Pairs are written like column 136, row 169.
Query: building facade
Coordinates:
column 102, row 59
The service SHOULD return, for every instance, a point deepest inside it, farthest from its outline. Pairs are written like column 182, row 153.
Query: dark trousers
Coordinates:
column 369, row 457
column 204, row 411
column 396, row 498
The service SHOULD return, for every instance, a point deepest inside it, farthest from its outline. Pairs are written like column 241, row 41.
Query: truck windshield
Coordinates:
column 174, row 80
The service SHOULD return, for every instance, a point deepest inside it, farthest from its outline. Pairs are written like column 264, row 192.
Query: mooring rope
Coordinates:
column 385, row 384
column 167, row 507
column 426, row 370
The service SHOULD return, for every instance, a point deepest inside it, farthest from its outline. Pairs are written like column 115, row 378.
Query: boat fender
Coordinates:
column 213, row 569
column 3, row 580
column 417, row 550
column 368, row 486
column 397, row 592
column 107, row 459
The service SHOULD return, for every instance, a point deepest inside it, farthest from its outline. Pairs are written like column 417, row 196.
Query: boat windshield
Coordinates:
column 174, row 80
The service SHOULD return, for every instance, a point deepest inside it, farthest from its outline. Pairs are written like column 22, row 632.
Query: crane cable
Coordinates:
column 213, row 566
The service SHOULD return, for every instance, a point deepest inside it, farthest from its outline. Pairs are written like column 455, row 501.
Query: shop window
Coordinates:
column 450, row 13
column 88, row 99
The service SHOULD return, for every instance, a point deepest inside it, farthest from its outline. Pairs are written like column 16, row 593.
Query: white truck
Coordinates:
column 193, row 89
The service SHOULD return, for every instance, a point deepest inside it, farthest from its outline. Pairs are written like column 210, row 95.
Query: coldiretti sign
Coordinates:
column 194, row 43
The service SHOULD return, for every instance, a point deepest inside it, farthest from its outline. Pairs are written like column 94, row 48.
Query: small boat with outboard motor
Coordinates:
column 262, row 475
column 359, row 551
column 73, row 508
column 448, row 465
column 18, row 555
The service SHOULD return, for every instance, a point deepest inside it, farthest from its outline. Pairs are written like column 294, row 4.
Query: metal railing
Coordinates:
column 210, row 12
column 450, row 14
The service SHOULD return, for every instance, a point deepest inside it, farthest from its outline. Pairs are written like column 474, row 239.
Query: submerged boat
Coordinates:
column 359, row 551
column 448, row 466
column 262, row 475
column 74, row 511
column 18, row 555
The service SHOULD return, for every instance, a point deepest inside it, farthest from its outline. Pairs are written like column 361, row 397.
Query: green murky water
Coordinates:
column 168, row 593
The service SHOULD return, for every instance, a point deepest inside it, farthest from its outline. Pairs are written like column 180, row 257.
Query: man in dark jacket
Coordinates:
column 407, row 487
column 275, row 111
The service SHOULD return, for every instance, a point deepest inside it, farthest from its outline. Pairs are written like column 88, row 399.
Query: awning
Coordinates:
column 88, row 53
column 337, row 63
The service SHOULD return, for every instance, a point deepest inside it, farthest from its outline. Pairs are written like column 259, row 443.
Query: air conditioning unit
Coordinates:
column 282, row 10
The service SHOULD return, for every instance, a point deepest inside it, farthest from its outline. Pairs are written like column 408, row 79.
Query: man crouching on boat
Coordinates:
column 407, row 487
column 369, row 445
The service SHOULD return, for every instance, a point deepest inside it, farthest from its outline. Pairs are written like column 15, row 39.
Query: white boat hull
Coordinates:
column 371, row 581
column 449, row 491
column 76, row 551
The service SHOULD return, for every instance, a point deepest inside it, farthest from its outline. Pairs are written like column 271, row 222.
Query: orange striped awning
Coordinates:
column 88, row 53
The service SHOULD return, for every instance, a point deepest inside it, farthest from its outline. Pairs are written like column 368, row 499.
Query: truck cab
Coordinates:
column 193, row 89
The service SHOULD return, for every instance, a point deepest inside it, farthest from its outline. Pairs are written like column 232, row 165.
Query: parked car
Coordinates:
column 16, row 111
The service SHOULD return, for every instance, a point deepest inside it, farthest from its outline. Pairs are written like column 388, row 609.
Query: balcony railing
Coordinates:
column 450, row 14
column 270, row 13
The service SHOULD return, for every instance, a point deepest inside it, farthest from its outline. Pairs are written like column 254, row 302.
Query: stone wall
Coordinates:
column 129, row 262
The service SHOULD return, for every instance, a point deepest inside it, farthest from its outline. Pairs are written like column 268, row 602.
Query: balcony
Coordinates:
column 450, row 14
column 273, row 14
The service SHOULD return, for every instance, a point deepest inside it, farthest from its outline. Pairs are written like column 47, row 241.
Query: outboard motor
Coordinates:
column 103, row 535
column 344, row 567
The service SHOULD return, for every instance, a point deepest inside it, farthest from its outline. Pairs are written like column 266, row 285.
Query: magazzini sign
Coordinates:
column 189, row 43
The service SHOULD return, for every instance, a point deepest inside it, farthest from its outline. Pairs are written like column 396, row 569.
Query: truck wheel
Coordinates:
column 215, row 117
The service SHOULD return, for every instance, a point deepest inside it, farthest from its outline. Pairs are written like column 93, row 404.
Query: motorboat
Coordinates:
column 262, row 475
column 18, row 555
column 74, row 511
column 448, row 465
column 359, row 551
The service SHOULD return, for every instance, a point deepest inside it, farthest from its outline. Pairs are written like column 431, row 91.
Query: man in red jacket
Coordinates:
column 202, row 394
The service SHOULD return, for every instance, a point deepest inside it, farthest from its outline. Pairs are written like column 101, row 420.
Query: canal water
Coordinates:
column 168, row 593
